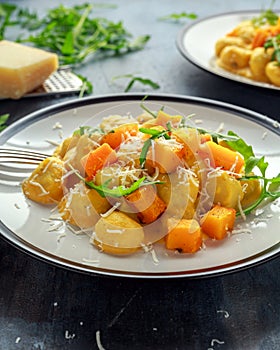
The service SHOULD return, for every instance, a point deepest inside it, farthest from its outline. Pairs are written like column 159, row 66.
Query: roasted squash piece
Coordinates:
column 183, row 235
column 118, row 135
column 146, row 204
column 218, row 222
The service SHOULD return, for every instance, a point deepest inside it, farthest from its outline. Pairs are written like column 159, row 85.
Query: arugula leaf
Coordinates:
column 275, row 43
column 146, row 109
column 147, row 144
column 3, row 120
column 215, row 135
column 87, row 86
column 119, row 191
column 87, row 130
column 28, row 19
column 134, row 79
column 138, row 43
column 251, row 161
column 6, row 11
column 144, row 151
column 266, row 17
column 75, row 35
column 177, row 16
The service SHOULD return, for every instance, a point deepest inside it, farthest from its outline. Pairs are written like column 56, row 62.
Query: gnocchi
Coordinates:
column 249, row 51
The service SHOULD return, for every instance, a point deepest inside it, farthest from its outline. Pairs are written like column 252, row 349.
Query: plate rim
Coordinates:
column 226, row 75
column 35, row 252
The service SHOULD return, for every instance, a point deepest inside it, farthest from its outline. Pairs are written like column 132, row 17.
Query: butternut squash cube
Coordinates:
column 218, row 221
column 184, row 235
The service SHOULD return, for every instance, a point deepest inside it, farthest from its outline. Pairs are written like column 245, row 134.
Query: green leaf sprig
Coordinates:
column 146, row 109
column 87, row 87
column 155, row 134
column 274, row 42
column 87, row 130
column 75, row 35
column 6, row 11
column 178, row 16
column 3, row 120
column 118, row 191
column 266, row 17
column 134, row 79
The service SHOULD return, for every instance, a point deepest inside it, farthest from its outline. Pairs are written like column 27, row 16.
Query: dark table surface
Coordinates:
column 48, row 307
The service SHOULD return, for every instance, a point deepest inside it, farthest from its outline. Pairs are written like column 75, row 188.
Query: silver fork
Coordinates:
column 16, row 164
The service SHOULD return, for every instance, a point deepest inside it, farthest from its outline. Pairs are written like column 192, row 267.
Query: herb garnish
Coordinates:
column 146, row 109
column 177, row 16
column 87, row 86
column 134, row 78
column 6, row 11
column 87, row 130
column 74, row 35
column 275, row 43
column 118, row 191
column 3, row 120
column 147, row 144
column 266, row 17
column 71, row 32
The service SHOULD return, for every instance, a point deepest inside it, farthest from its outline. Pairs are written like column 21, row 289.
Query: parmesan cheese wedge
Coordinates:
column 23, row 68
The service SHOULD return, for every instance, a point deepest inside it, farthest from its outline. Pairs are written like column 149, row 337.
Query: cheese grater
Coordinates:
column 62, row 81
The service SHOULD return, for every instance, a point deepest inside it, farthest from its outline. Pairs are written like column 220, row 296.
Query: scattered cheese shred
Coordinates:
column 111, row 210
column 98, row 341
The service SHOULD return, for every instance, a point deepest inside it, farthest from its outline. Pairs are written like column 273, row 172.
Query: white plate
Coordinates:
column 196, row 42
column 21, row 220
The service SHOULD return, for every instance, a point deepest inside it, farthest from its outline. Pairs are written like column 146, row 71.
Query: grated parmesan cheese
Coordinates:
column 91, row 261
column 224, row 312
column 37, row 184
column 53, row 143
column 57, row 125
column 214, row 341
column 68, row 335
column 111, row 210
column 242, row 214
column 98, row 341
column 220, row 128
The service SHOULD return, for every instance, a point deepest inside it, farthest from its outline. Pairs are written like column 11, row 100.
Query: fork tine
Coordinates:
column 15, row 164
column 21, row 156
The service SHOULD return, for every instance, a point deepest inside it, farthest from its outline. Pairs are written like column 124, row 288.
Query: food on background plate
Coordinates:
column 23, row 68
column 153, row 178
column 252, row 49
